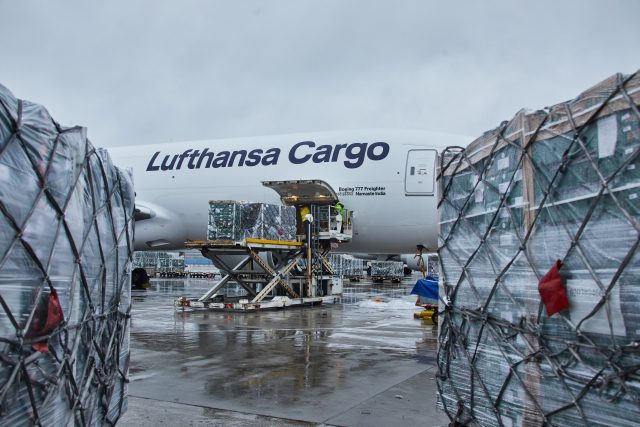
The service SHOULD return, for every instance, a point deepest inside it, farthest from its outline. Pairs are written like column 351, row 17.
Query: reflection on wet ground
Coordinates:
column 308, row 364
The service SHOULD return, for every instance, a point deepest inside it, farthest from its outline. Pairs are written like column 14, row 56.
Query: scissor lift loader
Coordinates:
column 278, row 274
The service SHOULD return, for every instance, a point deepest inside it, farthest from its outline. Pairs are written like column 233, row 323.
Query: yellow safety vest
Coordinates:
column 304, row 211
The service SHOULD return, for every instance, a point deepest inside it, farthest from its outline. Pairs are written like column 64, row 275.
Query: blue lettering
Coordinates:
column 151, row 166
column 383, row 154
column 353, row 156
column 253, row 158
column 221, row 160
column 336, row 152
column 355, row 152
column 241, row 153
column 292, row 154
column 165, row 163
column 192, row 158
column 271, row 157
column 323, row 154
column 182, row 157
column 209, row 157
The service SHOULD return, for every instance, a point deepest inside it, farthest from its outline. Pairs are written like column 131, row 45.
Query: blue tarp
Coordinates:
column 427, row 288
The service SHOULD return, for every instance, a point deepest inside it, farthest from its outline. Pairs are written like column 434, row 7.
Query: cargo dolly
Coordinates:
column 280, row 273
column 387, row 270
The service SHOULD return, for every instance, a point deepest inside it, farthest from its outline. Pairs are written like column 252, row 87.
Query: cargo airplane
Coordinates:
column 387, row 177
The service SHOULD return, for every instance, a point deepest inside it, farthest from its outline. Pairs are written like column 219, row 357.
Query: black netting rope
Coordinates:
column 454, row 337
column 101, row 333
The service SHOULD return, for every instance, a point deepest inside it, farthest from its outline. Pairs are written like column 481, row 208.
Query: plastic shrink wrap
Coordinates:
column 224, row 220
column 144, row 259
column 171, row 265
column 346, row 265
column 559, row 184
column 234, row 220
column 66, row 235
column 387, row 269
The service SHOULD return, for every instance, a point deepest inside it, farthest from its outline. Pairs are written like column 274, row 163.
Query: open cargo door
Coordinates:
column 303, row 192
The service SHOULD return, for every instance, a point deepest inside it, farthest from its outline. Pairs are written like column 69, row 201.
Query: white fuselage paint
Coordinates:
column 375, row 185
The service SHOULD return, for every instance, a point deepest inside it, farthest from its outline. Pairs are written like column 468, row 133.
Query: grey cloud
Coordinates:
column 153, row 71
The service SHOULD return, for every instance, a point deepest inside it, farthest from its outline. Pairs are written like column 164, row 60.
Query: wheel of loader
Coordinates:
column 434, row 317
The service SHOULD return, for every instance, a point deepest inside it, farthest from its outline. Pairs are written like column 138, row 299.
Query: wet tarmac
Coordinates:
column 365, row 361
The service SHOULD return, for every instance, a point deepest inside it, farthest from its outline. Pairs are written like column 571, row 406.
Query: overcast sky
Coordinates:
column 137, row 72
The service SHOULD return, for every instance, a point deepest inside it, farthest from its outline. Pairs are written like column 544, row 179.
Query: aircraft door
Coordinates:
column 420, row 173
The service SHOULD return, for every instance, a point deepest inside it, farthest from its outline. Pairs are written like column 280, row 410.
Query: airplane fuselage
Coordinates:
column 386, row 177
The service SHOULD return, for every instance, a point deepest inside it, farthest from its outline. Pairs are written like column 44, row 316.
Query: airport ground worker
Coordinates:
column 304, row 211
column 339, row 216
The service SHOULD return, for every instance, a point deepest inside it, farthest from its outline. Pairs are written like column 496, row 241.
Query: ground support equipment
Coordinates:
column 267, row 287
column 298, row 273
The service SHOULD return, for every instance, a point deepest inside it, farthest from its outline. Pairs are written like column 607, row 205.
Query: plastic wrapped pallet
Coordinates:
column 287, row 223
column 337, row 264
column 267, row 221
column 145, row 259
column 387, row 269
column 168, row 262
column 171, row 265
column 346, row 265
column 354, row 267
column 66, row 235
column 224, row 220
column 559, row 184
column 232, row 220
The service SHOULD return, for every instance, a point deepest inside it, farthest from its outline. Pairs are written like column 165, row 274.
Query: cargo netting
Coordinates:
column 540, row 285
column 238, row 220
column 346, row 265
column 66, row 233
column 389, row 269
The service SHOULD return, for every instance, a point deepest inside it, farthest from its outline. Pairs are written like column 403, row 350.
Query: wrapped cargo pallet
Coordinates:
column 390, row 269
column 540, row 291
column 337, row 264
column 145, row 259
column 171, row 264
column 66, row 233
column 355, row 268
column 346, row 265
column 224, row 220
column 234, row 220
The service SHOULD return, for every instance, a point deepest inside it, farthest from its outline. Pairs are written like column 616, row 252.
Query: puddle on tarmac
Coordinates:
column 286, row 357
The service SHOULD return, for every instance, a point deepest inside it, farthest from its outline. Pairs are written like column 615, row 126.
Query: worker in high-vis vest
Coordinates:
column 339, row 216
column 304, row 211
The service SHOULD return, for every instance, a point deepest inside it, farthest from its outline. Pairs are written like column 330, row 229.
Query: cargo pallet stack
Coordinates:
column 255, row 233
column 66, row 234
column 170, row 264
column 387, row 270
column 257, row 247
column 347, row 266
column 540, row 292
column 236, row 220
column 147, row 260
